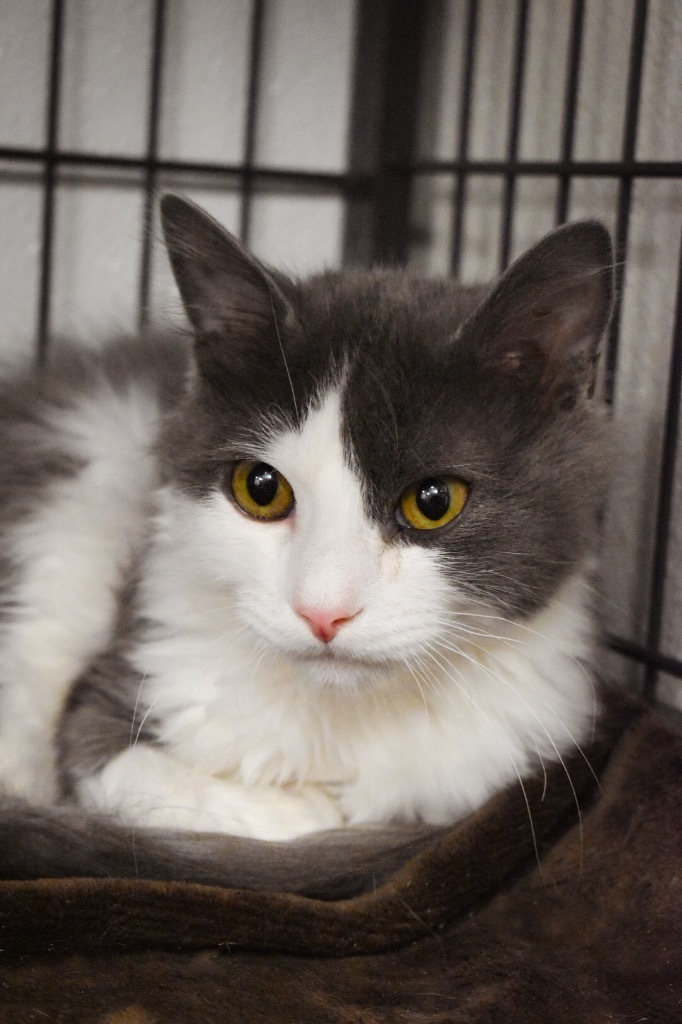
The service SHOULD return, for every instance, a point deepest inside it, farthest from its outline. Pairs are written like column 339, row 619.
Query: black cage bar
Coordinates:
column 377, row 185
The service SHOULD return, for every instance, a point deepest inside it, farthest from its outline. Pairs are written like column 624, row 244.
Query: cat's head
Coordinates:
column 366, row 455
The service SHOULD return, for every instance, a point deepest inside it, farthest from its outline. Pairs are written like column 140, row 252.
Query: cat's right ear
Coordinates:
column 233, row 302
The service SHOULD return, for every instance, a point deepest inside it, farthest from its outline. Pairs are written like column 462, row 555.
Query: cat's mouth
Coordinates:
column 342, row 669
column 327, row 654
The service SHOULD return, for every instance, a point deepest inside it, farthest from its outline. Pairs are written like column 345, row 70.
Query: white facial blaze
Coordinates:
column 334, row 552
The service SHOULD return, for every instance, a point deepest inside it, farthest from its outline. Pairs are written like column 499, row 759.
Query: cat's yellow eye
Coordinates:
column 433, row 502
column 261, row 491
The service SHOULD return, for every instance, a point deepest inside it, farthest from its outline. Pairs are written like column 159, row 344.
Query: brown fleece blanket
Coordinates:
column 578, row 919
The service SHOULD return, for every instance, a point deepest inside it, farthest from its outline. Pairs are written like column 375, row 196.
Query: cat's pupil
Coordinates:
column 433, row 499
column 263, row 484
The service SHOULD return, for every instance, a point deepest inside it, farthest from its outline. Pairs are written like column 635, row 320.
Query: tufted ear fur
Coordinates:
column 549, row 310
column 233, row 302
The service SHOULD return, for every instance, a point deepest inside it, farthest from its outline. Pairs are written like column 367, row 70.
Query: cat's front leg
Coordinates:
column 147, row 787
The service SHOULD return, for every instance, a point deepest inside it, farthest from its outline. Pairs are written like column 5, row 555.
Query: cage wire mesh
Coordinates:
column 448, row 134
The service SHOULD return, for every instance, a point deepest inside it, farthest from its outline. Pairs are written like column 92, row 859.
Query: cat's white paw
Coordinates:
column 271, row 812
column 148, row 788
column 267, row 812
column 27, row 768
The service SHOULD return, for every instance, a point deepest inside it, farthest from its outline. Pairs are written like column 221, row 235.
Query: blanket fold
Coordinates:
column 557, row 901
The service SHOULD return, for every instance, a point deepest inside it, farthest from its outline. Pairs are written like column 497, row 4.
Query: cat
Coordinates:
column 325, row 571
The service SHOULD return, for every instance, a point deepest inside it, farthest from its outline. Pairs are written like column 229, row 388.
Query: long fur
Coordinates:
column 167, row 661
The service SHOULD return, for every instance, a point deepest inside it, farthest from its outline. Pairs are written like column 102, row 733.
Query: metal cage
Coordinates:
column 378, row 186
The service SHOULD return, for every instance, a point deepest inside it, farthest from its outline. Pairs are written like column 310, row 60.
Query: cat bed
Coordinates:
column 575, row 919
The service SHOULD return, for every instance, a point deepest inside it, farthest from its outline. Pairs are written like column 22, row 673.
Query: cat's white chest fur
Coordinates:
column 419, row 706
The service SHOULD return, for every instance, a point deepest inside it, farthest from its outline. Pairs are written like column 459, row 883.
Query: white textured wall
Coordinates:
column 303, row 113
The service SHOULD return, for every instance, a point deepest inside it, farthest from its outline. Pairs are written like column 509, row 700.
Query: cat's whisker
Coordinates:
column 448, row 665
column 281, row 348
column 532, row 631
column 467, row 631
column 498, row 677
column 513, row 763
column 261, row 651
column 137, row 704
column 414, row 675
column 146, row 715
column 552, row 710
column 587, row 675
column 445, row 668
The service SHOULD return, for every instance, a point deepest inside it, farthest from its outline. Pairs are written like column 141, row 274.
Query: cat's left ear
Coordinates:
column 550, row 309
column 233, row 302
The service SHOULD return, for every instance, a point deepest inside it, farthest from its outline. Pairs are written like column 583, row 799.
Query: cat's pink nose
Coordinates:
column 325, row 623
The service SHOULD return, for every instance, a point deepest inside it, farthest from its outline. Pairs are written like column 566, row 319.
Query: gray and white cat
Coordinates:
column 329, row 568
